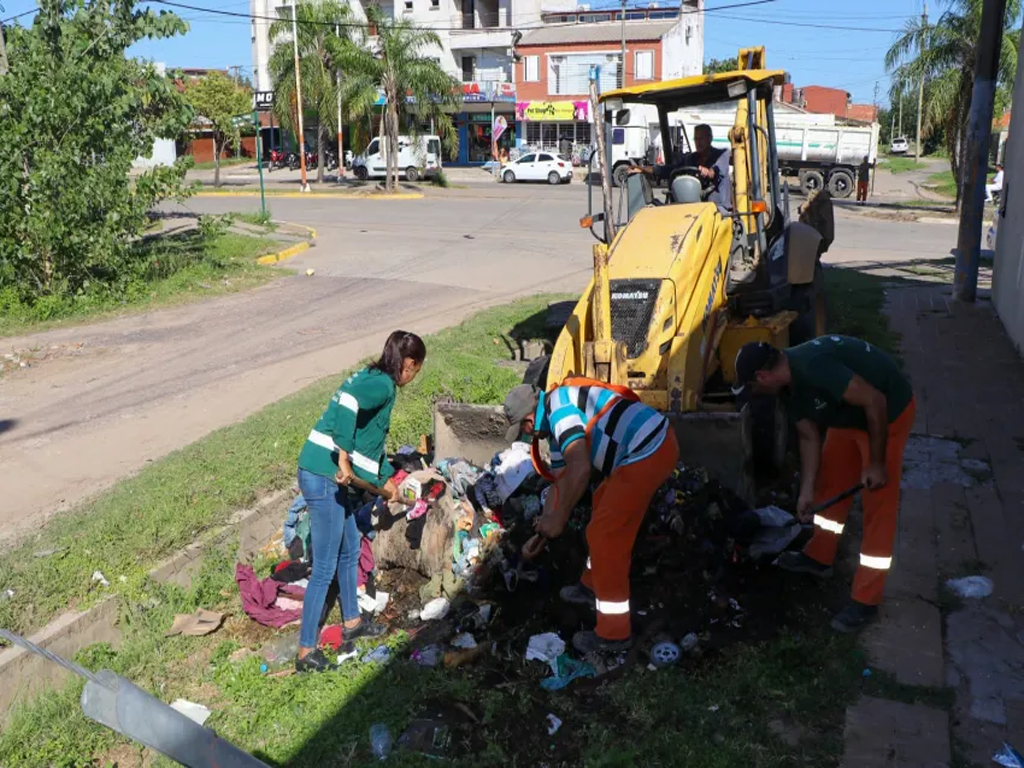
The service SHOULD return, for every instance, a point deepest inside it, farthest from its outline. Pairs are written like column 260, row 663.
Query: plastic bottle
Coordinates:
column 380, row 741
column 279, row 652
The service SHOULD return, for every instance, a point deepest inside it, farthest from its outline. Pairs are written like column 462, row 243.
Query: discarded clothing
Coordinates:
column 367, row 563
column 197, row 624
column 258, row 599
column 512, row 468
column 365, row 515
column 414, row 532
column 331, row 636
column 486, row 492
column 567, row 669
column 291, row 520
column 773, row 540
column 547, row 648
column 460, row 475
column 288, row 604
column 419, row 509
column 290, row 571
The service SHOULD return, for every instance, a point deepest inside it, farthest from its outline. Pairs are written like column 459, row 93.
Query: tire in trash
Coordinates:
column 665, row 654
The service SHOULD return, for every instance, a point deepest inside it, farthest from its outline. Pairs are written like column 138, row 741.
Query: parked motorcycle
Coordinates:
column 278, row 159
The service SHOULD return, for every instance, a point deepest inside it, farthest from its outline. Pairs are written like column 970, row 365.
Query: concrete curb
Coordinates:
column 320, row 195
column 23, row 675
column 292, row 250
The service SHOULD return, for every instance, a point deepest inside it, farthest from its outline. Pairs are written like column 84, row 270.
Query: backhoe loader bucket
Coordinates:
column 472, row 432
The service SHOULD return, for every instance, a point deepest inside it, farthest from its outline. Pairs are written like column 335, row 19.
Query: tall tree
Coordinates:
column 415, row 87
column 947, row 65
column 75, row 114
column 715, row 66
column 317, row 66
column 217, row 100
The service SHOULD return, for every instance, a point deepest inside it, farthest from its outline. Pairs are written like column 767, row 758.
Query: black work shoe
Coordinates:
column 854, row 616
column 365, row 628
column 798, row 562
column 315, row 662
column 577, row 594
column 589, row 642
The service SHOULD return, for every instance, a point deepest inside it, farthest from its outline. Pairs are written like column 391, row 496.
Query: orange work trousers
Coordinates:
column 620, row 503
column 845, row 454
column 862, row 191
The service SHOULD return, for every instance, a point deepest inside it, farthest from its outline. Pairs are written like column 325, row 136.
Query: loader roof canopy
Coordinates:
column 692, row 91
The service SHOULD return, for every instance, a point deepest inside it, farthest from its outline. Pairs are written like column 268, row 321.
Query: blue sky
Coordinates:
column 843, row 58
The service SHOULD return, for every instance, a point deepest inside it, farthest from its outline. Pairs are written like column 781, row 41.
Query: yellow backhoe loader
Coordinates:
column 681, row 283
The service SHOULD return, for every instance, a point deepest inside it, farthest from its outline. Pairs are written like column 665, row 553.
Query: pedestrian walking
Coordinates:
column 996, row 185
column 860, row 397
column 863, row 177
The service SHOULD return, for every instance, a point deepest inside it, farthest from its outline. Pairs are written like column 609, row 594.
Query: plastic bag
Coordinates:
column 971, row 586
column 1008, row 757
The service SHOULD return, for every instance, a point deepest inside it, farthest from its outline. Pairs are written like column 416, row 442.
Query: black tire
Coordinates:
column 412, row 173
column 811, row 181
column 840, row 183
column 554, row 179
column 810, row 299
column 537, row 372
column 508, row 177
column 361, row 173
column 619, row 174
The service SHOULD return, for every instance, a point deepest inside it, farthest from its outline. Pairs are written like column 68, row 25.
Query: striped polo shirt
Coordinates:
column 627, row 432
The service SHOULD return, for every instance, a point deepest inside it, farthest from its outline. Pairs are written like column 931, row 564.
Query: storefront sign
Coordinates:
column 488, row 91
column 499, row 127
column 552, row 111
column 263, row 100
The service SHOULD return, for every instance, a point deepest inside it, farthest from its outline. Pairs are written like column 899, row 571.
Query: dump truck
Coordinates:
column 680, row 283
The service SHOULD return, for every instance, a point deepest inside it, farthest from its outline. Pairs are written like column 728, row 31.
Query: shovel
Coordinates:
column 832, row 502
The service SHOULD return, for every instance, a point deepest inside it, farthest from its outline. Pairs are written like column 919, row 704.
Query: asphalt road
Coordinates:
column 123, row 392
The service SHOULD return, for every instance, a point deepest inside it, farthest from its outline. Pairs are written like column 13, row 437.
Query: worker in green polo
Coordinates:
column 858, row 395
column 348, row 441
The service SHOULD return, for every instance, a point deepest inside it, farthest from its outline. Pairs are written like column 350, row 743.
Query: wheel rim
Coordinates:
column 665, row 654
column 509, row 177
column 812, row 183
column 553, row 178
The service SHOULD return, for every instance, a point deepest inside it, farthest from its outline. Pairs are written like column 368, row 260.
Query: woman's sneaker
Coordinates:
column 365, row 628
column 315, row 662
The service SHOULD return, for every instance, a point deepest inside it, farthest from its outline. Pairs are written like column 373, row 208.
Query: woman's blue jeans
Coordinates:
column 335, row 544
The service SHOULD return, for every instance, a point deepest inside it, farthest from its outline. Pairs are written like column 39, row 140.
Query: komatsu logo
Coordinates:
column 634, row 296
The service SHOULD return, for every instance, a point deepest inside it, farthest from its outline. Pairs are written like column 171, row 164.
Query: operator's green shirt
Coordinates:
column 357, row 420
column 821, row 371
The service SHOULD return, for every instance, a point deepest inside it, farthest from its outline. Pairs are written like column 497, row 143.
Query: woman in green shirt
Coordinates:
column 348, row 441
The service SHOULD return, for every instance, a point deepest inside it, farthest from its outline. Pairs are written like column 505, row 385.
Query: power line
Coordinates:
column 810, row 26
column 19, row 15
column 366, row 25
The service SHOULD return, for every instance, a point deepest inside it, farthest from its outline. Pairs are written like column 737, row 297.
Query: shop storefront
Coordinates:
column 483, row 104
column 551, row 125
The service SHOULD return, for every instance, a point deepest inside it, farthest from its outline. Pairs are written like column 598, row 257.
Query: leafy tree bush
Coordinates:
column 75, row 113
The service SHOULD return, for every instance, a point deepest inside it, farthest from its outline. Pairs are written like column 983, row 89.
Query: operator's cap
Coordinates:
column 751, row 358
column 520, row 403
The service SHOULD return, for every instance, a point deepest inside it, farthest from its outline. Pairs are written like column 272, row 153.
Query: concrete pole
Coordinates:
column 341, row 155
column 920, row 89
column 622, row 69
column 298, row 99
column 3, row 52
column 979, row 136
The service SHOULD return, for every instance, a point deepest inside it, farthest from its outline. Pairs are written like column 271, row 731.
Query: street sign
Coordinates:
column 263, row 100
column 240, row 121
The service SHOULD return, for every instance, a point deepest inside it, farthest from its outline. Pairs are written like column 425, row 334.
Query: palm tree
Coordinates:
column 415, row 87
column 947, row 65
column 317, row 67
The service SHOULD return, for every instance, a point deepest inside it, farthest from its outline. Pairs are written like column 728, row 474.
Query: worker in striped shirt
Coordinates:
column 597, row 428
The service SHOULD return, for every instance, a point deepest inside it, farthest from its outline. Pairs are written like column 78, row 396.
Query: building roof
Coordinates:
column 865, row 112
column 600, row 32
column 697, row 89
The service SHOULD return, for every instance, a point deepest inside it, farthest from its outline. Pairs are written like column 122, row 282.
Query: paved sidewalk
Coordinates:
column 963, row 499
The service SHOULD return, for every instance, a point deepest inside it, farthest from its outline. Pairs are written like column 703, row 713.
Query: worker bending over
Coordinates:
column 597, row 428
column 857, row 393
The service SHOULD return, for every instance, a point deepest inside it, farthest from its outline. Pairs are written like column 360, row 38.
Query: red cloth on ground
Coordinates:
column 258, row 599
column 331, row 636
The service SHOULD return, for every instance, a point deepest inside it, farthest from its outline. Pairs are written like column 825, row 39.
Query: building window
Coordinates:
column 643, row 65
column 468, row 67
column 435, row 5
column 408, row 6
column 531, row 69
column 569, row 74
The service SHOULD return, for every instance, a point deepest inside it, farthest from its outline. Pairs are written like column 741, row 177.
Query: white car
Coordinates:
column 538, row 166
column 899, row 146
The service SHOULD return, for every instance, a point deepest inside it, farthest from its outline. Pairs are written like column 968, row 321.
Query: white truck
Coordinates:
column 417, row 157
column 812, row 148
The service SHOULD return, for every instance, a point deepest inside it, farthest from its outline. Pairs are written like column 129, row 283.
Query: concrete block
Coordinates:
column 881, row 733
column 906, row 642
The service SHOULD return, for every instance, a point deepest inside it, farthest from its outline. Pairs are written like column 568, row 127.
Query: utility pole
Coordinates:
column 622, row 69
column 901, row 111
column 341, row 155
column 298, row 99
column 979, row 136
column 920, row 89
column 3, row 52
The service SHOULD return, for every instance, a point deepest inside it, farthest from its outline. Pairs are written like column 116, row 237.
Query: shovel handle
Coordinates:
column 371, row 488
column 836, row 499
column 534, row 546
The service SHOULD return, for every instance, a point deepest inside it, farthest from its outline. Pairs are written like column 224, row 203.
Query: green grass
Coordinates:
column 227, row 162
column 943, row 183
column 169, row 269
column 713, row 712
column 171, row 503
column 258, row 218
column 899, row 164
